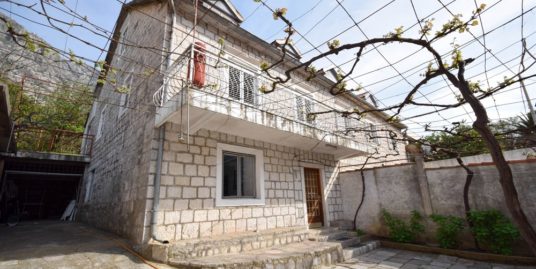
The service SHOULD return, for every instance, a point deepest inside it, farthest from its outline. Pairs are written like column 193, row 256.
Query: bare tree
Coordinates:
column 454, row 72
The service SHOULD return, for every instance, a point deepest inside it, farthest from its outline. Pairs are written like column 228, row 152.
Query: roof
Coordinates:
column 237, row 32
column 226, row 7
column 293, row 50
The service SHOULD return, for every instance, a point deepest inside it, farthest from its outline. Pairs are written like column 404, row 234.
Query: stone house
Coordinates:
column 193, row 150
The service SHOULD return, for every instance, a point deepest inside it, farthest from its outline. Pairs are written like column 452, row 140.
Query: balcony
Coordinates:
column 229, row 101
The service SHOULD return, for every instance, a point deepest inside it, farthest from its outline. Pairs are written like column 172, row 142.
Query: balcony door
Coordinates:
column 313, row 197
column 242, row 86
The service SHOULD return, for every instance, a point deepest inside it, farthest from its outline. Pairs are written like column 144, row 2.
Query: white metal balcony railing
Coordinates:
column 239, row 83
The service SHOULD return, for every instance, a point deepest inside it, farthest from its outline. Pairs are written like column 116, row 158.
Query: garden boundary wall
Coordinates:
column 433, row 188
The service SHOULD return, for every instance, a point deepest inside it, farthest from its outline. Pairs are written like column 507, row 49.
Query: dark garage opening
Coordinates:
column 38, row 189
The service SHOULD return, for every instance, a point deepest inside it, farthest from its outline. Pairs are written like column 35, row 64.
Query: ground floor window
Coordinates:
column 238, row 175
column 240, row 172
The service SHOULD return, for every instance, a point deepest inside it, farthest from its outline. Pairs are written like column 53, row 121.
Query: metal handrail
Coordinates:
column 281, row 103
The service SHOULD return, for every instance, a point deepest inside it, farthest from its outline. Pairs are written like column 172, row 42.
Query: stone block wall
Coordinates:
column 122, row 154
column 250, row 53
column 188, row 188
column 397, row 190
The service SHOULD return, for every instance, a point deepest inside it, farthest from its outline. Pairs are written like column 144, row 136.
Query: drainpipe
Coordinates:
column 157, row 176
column 161, row 135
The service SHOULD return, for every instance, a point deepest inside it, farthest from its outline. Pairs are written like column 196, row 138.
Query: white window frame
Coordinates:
column 100, row 127
column 305, row 101
column 242, row 86
column 372, row 133
column 89, row 186
column 122, row 47
column 123, row 101
column 392, row 144
column 259, row 176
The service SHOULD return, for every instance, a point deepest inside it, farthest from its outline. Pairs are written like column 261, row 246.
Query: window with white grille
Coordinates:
column 373, row 134
column 304, row 108
column 391, row 142
column 242, row 86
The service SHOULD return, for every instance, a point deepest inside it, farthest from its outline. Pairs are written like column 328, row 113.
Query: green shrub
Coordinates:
column 360, row 232
column 448, row 230
column 495, row 230
column 399, row 230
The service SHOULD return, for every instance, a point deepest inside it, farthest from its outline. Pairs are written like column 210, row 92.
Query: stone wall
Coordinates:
column 123, row 163
column 397, row 189
column 188, row 188
column 122, row 154
column 250, row 53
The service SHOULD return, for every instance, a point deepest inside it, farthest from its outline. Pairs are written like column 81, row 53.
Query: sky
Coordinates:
column 387, row 73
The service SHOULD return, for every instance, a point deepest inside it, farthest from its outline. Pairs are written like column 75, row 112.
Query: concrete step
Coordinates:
column 307, row 254
column 323, row 231
column 333, row 235
column 360, row 249
column 347, row 241
column 225, row 244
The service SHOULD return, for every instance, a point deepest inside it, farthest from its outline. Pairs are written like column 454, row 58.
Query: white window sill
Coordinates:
column 239, row 202
column 259, row 163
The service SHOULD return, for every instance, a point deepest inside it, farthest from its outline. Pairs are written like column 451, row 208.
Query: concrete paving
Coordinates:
column 74, row 245
column 64, row 245
column 384, row 258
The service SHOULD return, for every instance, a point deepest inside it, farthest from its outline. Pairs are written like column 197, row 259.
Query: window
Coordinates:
column 89, row 186
column 391, row 141
column 304, row 107
column 373, row 134
column 121, row 48
column 123, row 102
column 242, row 86
column 100, row 127
column 239, row 176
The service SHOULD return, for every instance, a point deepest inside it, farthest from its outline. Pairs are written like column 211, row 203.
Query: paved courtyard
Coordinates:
column 64, row 245
column 74, row 245
column 384, row 258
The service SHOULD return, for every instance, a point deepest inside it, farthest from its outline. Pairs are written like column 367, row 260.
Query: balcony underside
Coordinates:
column 228, row 116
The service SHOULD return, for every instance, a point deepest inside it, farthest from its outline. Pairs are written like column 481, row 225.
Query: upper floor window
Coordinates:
column 391, row 142
column 100, row 127
column 123, row 40
column 304, row 108
column 242, row 86
column 373, row 134
column 125, row 96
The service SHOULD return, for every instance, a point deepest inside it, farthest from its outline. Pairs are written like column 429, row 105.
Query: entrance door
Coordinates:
column 313, row 196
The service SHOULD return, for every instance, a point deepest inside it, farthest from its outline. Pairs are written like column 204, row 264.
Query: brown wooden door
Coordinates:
column 313, row 196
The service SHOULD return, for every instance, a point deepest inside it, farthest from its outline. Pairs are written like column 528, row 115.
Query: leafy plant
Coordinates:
column 494, row 229
column 449, row 228
column 65, row 108
column 399, row 230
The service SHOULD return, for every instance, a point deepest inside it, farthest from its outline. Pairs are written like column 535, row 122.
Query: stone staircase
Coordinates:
column 349, row 241
column 307, row 254
column 276, row 248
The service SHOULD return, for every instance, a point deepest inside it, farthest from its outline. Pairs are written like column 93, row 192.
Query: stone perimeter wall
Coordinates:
column 397, row 190
column 188, row 188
